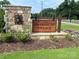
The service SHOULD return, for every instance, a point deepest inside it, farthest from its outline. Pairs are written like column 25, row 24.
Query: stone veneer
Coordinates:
column 9, row 19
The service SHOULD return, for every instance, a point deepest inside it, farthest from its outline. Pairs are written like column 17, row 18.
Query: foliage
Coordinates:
column 11, row 37
column 63, row 9
column 75, row 34
column 4, row 2
column 48, row 12
column 68, row 9
column 1, row 20
column 6, row 37
column 53, row 38
column 2, row 23
column 69, row 37
column 74, row 17
column 35, row 15
column 21, row 36
column 77, row 9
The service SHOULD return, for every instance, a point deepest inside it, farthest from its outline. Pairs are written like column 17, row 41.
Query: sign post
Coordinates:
column 59, row 25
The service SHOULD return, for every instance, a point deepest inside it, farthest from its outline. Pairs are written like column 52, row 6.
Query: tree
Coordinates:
column 4, row 2
column 34, row 15
column 76, row 10
column 69, row 9
column 72, row 10
column 63, row 9
column 45, row 13
column 1, row 19
column 48, row 12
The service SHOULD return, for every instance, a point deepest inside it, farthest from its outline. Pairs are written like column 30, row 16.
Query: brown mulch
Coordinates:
column 37, row 44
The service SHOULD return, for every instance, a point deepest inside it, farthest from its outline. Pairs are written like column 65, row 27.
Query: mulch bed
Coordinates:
column 37, row 44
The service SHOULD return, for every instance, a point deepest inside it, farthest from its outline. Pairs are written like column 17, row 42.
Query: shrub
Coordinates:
column 53, row 38
column 21, row 36
column 74, row 17
column 6, row 37
column 69, row 37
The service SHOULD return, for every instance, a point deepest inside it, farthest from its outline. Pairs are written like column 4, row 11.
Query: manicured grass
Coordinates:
column 66, row 53
column 71, row 27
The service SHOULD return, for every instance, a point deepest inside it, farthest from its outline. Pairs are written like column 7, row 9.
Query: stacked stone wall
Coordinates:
column 11, row 11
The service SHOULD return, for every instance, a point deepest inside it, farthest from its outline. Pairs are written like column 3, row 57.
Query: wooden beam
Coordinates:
column 59, row 25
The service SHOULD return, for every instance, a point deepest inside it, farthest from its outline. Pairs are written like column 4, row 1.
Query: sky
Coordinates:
column 37, row 4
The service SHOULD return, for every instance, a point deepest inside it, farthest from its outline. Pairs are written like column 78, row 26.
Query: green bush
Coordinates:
column 74, row 17
column 6, row 37
column 21, row 36
column 69, row 37
column 2, row 23
column 9, row 37
column 53, row 38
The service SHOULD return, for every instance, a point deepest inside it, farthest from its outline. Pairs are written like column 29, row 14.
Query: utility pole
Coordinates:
column 41, row 6
column 69, row 8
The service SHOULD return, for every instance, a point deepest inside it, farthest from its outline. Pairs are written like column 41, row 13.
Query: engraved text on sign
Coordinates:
column 44, row 26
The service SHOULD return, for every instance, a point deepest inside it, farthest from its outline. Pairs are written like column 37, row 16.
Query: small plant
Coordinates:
column 21, row 36
column 6, row 37
column 69, row 37
column 75, row 35
column 53, row 38
column 0, row 37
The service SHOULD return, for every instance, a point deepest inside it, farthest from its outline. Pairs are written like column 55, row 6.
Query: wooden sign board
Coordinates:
column 44, row 26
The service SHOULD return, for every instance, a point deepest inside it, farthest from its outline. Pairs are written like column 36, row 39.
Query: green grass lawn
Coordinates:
column 66, row 53
column 68, row 26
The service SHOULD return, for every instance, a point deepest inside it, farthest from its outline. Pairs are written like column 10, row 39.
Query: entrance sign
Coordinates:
column 44, row 26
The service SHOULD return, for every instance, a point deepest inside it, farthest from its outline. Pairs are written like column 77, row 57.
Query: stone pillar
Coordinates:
column 9, row 18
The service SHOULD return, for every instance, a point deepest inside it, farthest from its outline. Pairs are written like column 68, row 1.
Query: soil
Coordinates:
column 37, row 44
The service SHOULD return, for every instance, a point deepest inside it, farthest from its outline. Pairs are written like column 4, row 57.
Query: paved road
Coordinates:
column 71, row 23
